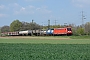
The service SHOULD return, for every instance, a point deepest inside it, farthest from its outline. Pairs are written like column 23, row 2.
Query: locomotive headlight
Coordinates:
column 69, row 31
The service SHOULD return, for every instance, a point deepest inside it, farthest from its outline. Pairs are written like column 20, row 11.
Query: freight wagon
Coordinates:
column 13, row 33
column 36, row 32
column 10, row 33
column 24, row 33
column 43, row 33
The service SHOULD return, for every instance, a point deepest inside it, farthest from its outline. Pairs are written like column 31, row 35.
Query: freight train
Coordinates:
column 48, row 32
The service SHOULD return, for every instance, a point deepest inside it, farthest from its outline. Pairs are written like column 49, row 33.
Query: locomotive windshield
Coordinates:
column 69, row 29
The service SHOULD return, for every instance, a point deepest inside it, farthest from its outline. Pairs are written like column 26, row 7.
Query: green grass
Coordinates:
column 80, row 37
column 44, row 51
column 72, row 41
column 48, row 40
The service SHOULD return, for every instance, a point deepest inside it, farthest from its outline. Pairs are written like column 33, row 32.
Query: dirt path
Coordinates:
column 36, row 37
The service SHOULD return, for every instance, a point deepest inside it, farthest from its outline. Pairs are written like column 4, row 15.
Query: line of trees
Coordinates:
column 16, row 25
column 81, row 29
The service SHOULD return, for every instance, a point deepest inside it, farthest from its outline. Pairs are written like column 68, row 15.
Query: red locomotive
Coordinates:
column 62, row 31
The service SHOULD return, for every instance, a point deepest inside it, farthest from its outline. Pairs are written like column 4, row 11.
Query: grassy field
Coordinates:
column 49, row 40
column 45, row 48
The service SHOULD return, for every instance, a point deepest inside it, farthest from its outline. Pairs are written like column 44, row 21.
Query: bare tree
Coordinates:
column 87, row 28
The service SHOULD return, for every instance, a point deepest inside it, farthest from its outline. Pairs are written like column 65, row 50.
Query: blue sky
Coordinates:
column 63, row 11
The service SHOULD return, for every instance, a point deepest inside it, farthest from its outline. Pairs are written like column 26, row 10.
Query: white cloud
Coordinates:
column 81, row 3
column 33, row 0
column 16, row 4
column 3, row 15
column 31, row 10
column 43, row 10
column 28, row 0
column 31, row 7
column 24, row 10
column 2, row 6
column 17, row 9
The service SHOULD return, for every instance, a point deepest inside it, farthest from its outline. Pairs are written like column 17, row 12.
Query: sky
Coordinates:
column 59, row 11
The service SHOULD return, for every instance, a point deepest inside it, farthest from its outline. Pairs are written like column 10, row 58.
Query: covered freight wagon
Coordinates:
column 43, row 32
column 36, row 32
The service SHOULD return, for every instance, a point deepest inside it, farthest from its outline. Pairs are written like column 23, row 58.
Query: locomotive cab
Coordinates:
column 69, row 31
